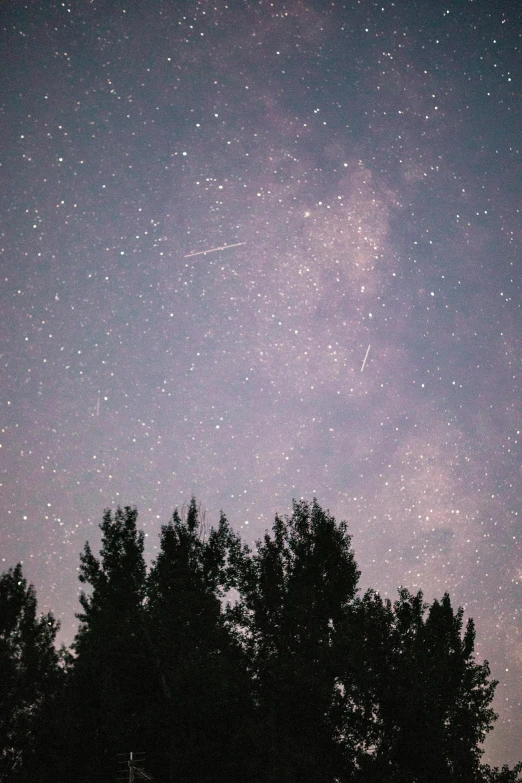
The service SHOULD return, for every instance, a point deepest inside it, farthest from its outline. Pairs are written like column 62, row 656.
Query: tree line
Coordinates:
column 222, row 663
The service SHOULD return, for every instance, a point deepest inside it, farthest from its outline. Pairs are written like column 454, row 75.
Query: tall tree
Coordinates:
column 364, row 666
column 294, row 592
column 202, row 694
column 112, row 670
column 29, row 670
column 427, row 699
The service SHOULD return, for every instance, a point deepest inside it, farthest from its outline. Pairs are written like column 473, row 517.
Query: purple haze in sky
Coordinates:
column 358, row 340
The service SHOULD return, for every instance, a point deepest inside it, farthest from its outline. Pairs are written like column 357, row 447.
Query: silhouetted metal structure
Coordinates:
column 135, row 770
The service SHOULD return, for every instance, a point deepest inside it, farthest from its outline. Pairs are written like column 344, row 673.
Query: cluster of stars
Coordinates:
column 264, row 254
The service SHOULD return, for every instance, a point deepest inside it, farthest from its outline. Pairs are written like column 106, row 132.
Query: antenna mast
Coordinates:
column 135, row 771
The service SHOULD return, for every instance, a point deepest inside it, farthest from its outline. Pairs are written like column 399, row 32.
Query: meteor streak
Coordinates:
column 364, row 362
column 213, row 250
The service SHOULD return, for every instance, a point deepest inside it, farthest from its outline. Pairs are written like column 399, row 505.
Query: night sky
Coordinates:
column 361, row 341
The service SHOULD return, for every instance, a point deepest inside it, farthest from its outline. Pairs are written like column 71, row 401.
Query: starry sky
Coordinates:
column 361, row 340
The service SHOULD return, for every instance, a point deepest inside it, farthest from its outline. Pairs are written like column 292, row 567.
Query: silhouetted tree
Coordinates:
column 202, row 706
column 426, row 700
column 29, row 670
column 294, row 592
column 299, row 679
column 364, row 666
column 112, row 672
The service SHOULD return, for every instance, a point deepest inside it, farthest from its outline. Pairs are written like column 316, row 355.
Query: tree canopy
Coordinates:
column 225, row 663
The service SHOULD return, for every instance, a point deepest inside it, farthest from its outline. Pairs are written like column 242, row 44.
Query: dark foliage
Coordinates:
column 294, row 592
column 298, row 678
column 30, row 672
column 202, row 707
